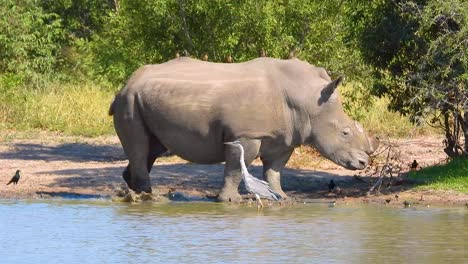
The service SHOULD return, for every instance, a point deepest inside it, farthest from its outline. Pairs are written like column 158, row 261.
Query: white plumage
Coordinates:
column 254, row 185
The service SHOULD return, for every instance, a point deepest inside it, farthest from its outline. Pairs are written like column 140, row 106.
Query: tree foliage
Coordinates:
column 154, row 31
column 30, row 42
column 107, row 40
column 419, row 53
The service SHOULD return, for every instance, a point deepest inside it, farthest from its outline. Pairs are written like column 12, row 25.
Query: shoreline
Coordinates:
column 63, row 168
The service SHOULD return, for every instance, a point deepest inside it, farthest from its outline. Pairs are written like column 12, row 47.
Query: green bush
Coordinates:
column 418, row 53
column 30, row 44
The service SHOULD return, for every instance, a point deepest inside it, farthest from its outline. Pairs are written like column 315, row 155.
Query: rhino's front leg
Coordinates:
column 232, row 172
column 272, row 168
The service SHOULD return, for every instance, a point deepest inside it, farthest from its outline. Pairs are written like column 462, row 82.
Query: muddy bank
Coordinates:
column 60, row 167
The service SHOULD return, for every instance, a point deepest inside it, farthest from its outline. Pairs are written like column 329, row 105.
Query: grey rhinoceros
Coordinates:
column 272, row 106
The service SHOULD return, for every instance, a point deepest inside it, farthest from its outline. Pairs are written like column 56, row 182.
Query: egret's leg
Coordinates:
column 259, row 202
column 232, row 173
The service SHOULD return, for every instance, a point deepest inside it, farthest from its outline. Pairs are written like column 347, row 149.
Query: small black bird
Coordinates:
column 331, row 186
column 15, row 178
column 414, row 165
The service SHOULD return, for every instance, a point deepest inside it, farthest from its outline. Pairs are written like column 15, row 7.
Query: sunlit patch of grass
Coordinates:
column 450, row 176
column 381, row 121
column 305, row 157
column 71, row 109
column 374, row 115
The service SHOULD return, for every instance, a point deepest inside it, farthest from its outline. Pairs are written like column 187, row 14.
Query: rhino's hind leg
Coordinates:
column 156, row 149
column 136, row 142
column 272, row 168
column 232, row 173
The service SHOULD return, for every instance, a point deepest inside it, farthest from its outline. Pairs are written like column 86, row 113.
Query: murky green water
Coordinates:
column 104, row 232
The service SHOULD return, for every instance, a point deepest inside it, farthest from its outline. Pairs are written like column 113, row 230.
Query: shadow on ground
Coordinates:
column 65, row 152
column 69, row 195
column 195, row 178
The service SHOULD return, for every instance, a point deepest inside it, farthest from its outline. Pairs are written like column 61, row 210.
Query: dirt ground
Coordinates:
column 65, row 167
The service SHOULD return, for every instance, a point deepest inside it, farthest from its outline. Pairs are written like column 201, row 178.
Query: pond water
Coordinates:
column 103, row 232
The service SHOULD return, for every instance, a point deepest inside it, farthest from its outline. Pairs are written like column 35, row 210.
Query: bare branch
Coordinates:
column 185, row 26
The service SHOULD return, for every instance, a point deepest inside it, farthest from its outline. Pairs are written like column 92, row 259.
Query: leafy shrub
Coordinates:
column 30, row 43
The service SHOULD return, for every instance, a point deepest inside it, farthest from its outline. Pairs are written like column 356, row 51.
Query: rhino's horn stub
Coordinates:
column 330, row 89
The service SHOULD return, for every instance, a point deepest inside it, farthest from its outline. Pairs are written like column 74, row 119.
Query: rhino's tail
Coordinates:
column 112, row 106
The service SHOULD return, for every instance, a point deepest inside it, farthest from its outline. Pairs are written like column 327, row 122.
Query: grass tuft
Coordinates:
column 374, row 115
column 450, row 176
column 390, row 124
column 70, row 109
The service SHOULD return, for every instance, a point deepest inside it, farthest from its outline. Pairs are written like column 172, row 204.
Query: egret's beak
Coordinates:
column 237, row 142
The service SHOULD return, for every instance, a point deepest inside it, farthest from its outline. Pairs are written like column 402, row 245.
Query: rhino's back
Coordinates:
column 194, row 106
column 188, row 69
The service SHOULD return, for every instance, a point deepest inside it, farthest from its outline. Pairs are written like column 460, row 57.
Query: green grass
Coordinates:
column 390, row 124
column 69, row 109
column 451, row 176
column 373, row 114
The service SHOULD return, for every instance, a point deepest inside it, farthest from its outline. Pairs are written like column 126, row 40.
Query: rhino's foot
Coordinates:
column 144, row 189
column 127, row 177
column 287, row 201
column 141, row 187
column 283, row 195
column 229, row 197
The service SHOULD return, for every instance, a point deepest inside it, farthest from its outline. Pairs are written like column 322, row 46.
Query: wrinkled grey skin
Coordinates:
column 272, row 106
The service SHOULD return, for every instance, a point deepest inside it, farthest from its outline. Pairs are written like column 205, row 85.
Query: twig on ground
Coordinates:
column 392, row 165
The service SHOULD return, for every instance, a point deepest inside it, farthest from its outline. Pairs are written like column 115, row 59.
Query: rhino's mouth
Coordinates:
column 359, row 165
column 354, row 164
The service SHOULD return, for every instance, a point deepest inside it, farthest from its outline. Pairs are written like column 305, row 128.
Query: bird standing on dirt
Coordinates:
column 205, row 57
column 253, row 185
column 414, row 165
column 262, row 53
column 15, row 178
column 229, row 59
column 331, row 186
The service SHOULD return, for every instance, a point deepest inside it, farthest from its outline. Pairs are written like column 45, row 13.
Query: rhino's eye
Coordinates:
column 346, row 132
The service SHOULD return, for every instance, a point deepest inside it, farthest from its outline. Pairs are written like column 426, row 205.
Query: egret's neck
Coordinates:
column 242, row 163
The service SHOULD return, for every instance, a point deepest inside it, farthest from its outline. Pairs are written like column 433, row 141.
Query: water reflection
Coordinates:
column 74, row 231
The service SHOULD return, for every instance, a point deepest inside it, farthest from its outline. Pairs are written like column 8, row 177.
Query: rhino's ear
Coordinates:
column 329, row 89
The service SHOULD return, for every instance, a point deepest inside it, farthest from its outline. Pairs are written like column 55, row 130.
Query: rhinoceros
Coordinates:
column 272, row 106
